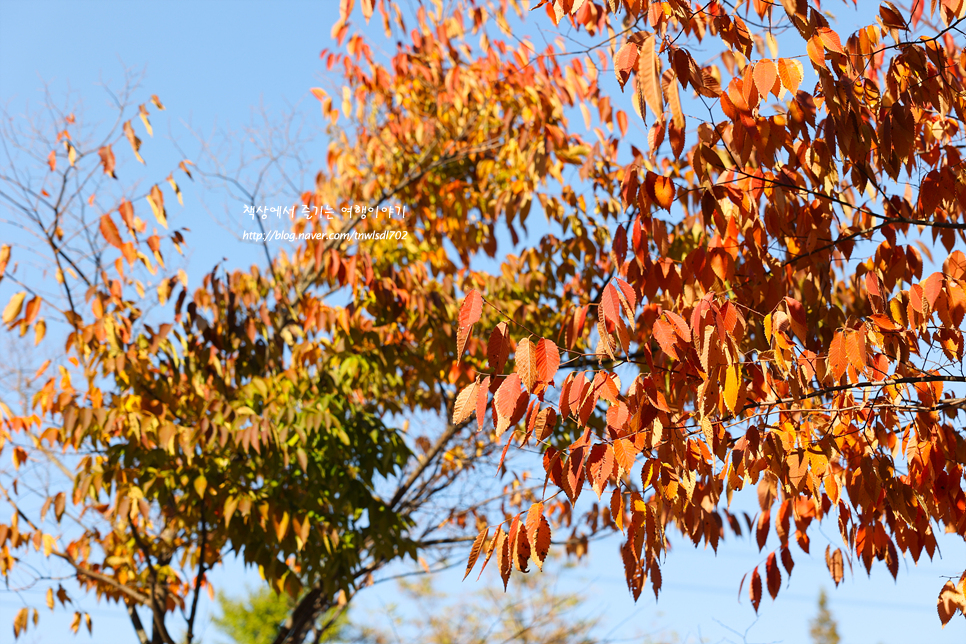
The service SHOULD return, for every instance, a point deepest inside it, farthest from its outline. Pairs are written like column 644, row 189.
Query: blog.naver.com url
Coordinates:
column 285, row 235
column 388, row 213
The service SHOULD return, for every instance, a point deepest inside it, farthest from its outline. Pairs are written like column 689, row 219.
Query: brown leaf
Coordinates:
column 773, row 575
column 835, row 564
column 754, row 589
column 951, row 599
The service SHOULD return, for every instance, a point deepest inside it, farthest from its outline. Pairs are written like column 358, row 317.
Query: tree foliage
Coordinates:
column 742, row 298
column 823, row 628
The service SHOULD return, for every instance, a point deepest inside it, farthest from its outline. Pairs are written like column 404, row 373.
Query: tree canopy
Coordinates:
column 746, row 294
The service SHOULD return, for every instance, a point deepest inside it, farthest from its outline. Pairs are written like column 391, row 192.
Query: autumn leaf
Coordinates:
column 625, row 62
column 754, row 589
column 791, row 73
column 156, row 199
column 12, row 310
column 526, row 363
column 109, row 231
column 765, row 74
column 107, row 160
column 133, row 140
column 475, row 551
column 647, row 77
column 498, row 348
column 464, row 406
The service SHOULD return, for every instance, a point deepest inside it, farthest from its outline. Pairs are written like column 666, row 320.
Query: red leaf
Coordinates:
column 505, row 402
column 600, row 466
column 666, row 337
column 754, row 590
column 547, row 361
column 471, row 308
column 481, row 396
column 773, row 575
column 498, row 348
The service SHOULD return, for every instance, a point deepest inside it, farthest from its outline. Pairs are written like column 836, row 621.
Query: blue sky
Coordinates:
column 214, row 64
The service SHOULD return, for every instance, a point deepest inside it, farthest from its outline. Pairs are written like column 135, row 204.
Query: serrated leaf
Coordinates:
column 526, row 363
column 475, row 550
column 647, row 76
column 791, row 73
column 773, row 575
column 465, row 403
column 498, row 348
column 547, row 360
column 754, row 589
column 765, row 75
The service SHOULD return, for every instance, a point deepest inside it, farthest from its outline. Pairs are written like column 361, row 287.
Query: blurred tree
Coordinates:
column 824, row 629
column 256, row 617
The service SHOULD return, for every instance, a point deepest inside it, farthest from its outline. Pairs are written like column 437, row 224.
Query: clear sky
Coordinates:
column 214, row 64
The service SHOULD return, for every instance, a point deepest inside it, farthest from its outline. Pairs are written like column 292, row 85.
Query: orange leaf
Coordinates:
column 731, row 387
column 830, row 39
column 107, row 160
column 662, row 189
column 505, row 402
column 109, row 231
column 838, row 360
column 471, row 309
column 765, row 76
column 855, row 348
column 625, row 62
column 650, row 85
column 666, row 337
column 816, row 51
column 791, row 73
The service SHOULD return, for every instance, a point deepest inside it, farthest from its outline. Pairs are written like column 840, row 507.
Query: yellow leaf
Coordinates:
column 156, row 199
column 731, row 387
column 13, row 307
